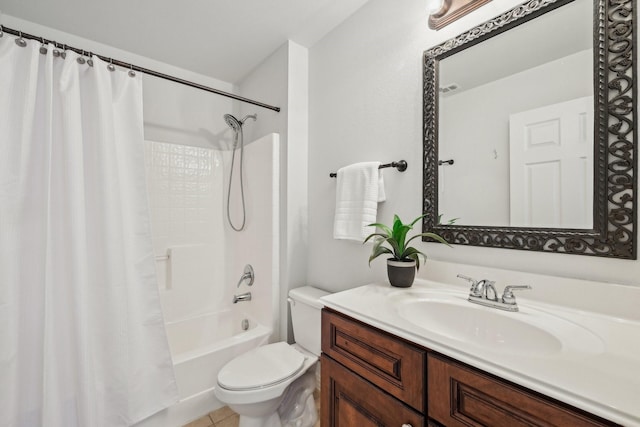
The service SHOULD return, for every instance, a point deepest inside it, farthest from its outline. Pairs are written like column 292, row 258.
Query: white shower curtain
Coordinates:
column 82, row 339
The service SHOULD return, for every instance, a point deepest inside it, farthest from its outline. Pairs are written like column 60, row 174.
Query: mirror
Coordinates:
column 512, row 148
column 534, row 137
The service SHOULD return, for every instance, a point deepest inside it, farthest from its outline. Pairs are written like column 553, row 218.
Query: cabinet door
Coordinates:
column 461, row 397
column 350, row 401
column 390, row 363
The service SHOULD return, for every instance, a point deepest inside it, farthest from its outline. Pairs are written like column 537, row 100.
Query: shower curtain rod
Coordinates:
column 137, row 68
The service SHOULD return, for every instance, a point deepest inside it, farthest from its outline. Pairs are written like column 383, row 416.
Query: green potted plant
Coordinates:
column 405, row 259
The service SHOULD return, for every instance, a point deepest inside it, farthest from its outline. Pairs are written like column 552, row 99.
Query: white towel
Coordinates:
column 359, row 189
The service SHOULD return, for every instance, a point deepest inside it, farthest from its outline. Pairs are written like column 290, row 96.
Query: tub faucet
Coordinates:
column 242, row 297
column 248, row 274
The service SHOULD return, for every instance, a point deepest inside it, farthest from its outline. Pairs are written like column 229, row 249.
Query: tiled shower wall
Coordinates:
column 185, row 187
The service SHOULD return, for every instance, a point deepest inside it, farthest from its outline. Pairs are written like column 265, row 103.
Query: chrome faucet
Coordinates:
column 488, row 290
column 483, row 292
column 242, row 297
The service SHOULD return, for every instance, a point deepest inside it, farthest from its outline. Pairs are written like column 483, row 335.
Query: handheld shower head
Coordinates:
column 236, row 124
column 232, row 122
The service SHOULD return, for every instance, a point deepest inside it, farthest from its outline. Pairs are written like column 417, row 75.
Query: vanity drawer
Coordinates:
column 392, row 364
column 460, row 396
column 349, row 401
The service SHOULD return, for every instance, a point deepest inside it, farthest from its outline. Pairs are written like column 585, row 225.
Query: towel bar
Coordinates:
column 400, row 165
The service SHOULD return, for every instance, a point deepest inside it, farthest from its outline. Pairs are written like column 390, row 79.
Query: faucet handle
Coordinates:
column 507, row 295
column 474, row 284
column 471, row 280
column 249, row 274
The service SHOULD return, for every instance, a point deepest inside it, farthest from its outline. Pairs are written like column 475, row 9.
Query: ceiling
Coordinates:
column 224, row 39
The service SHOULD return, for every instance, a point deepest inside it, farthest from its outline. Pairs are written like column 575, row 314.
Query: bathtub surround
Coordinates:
column 185, row 186
column 187, row 190
column 83, row 341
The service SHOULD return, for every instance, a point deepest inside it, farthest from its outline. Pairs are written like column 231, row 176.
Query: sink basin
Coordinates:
column 528, row 332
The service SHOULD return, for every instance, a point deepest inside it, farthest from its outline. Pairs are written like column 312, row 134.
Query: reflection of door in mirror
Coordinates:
column 545, row 61
column 551, row 165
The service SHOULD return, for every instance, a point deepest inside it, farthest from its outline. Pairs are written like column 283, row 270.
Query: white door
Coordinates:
column 551, row 165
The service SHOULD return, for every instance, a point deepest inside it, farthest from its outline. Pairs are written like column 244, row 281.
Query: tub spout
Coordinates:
column 242, row 297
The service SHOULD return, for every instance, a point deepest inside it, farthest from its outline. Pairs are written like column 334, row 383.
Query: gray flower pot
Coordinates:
column 401, row 273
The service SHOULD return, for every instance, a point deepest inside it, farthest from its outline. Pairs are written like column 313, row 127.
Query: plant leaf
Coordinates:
column 383, row 227
column 396, row 238
column 378, row 250
column 394, row 245
column 399, row 233
column 382, row 235
column 449, row 222
column 418, row 219
column 414, row 254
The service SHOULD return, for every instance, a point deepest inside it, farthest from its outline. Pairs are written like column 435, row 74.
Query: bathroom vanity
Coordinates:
column 380, row 369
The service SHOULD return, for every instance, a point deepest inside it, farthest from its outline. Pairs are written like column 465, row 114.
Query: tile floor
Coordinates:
column 225, row 417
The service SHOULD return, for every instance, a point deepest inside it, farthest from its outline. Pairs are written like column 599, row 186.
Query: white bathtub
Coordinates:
column 200, row 346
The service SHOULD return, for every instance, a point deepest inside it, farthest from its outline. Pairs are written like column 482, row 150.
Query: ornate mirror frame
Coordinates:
column 615, row 139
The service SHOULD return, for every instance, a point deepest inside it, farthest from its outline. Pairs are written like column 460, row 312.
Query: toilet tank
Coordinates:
column 305, row 315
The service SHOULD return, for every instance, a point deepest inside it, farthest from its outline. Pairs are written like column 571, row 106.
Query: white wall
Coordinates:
column 366, row 104
column 283, row 79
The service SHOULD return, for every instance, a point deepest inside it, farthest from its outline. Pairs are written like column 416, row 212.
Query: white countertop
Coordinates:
column 604, row 380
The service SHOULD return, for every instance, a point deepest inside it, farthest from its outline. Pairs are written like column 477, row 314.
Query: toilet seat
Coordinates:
column 262, row 367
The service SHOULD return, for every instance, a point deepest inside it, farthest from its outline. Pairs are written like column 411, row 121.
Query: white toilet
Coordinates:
column 255, row 383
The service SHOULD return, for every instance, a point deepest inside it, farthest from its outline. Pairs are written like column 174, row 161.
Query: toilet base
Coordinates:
column 272, row 420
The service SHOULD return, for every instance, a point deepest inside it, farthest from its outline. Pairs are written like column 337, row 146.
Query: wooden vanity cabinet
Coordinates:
column 369, row 377
column 460, row 396
column 352, row 401
column 373, row 378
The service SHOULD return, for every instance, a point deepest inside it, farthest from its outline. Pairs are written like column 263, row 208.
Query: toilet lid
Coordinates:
column 261, row 367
